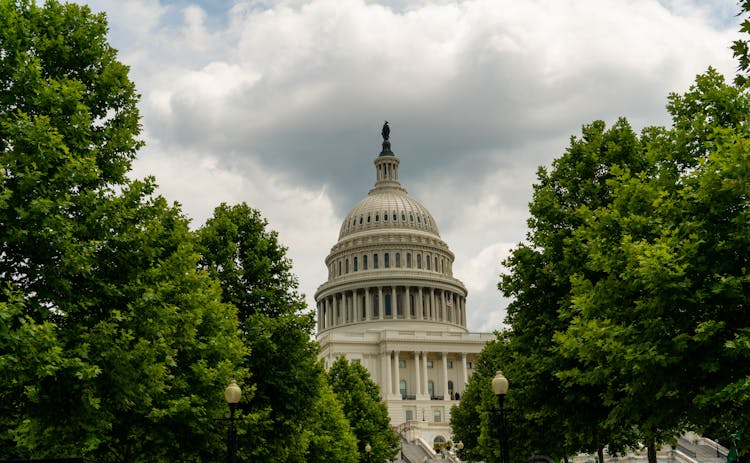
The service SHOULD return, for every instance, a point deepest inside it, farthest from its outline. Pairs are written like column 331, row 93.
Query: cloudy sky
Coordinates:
column 279, row 104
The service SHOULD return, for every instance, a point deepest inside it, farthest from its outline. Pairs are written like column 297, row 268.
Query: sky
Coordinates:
column 279, row 104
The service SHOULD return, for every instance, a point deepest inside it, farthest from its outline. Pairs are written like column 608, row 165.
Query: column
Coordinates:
column 368, row 305
column 407, row 304
column 357, row 311
column 465, row 373
column 425, row 378
column 445, row 376
column 417, row 374
column 420, row 306
column 394, row 303
column 433, row 312
column 396, row 374
column 381, row 303
column 385, row 365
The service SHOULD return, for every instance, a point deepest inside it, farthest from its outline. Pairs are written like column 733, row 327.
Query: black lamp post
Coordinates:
column 232, row 393
column 500, row 388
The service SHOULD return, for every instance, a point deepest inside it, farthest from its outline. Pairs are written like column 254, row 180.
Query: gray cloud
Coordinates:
column 283, row 101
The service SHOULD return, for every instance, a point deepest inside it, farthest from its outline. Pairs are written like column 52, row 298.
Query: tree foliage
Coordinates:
column 114, row 346
column 367, row 414
column 255, row 276
column 741, row 47
column 630, row 294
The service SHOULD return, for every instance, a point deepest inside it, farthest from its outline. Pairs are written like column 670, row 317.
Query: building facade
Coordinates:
column 391, row 302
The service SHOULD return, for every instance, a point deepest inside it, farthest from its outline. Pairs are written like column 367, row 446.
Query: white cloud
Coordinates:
column 280, row 105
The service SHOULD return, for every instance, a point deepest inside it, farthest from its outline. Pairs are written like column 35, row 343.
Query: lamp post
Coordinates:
column 232, row 393
column 500, row 388
column 368, row 449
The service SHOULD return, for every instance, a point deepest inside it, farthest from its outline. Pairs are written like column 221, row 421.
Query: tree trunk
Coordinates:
column 600, row 454
column 652, row 453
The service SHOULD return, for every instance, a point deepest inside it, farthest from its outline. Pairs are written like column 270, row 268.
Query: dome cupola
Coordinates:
column 390, row 264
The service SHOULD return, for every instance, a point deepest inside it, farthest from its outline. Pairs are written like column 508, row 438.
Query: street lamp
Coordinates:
column 368, row 449
column 500, row 388
column 232, row 393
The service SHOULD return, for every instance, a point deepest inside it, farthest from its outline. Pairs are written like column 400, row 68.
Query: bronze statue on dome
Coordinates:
column 386, row 132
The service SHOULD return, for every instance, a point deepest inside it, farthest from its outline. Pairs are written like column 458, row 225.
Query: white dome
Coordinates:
column 388, row 209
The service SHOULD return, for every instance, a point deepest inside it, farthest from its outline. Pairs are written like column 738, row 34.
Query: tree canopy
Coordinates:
column 367, row 414
column 115, row 346
column 629, row 320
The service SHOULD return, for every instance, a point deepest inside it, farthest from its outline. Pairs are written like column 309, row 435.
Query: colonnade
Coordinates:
column 418, row 362
column 391, row 302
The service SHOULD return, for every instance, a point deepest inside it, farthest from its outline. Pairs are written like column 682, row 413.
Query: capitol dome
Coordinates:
column 390, row 265
column 391, row 303
column 388, row 208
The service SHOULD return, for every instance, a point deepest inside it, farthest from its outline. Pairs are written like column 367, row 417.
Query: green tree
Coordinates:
column 741, row 47
column 367, row 414
column 332, row 439
column 539, row 282
column 671, row 307
column 117, row 349
column 256, row 277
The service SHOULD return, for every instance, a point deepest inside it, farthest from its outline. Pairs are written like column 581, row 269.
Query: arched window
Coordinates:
column 402, row 388
column 427, row 261
column 398, row 260
column 387, row 260
column 339, row 267
column 346, row 266
column 356, row 264
column 431, row 388
column 388, row 305
column 419, row 261
column 436, row 261
column 374, row 261
column 438, row 443
column 364, row 262
column 395, row 217
column 377, row 217
column 408, row 260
